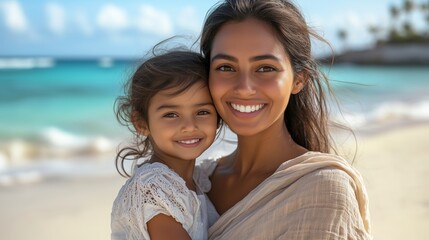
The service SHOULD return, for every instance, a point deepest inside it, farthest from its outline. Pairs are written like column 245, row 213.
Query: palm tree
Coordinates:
column 408, row 29
column 343, row 35
column 426, row 14
column 394, row 14
column 408, row 7
column 375, row 30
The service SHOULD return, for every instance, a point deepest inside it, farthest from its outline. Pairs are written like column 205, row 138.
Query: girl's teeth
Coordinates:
column 247, row 109
column 192, row 141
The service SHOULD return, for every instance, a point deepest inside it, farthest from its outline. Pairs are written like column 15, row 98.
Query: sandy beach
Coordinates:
column 394, row 164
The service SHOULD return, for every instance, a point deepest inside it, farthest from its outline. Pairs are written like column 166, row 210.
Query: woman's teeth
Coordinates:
column 246, row 108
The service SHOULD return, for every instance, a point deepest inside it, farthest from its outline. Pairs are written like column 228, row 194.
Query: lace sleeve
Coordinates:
column 157, row 190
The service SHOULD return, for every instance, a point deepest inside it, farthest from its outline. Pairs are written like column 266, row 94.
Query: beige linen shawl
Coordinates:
column 314, row 196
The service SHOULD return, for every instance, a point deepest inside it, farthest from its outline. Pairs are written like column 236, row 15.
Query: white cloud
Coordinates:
column 188, row 19
column 112, row 18
column 154, row 21
column 56, row 18
column 14, row 17
column 83, row 23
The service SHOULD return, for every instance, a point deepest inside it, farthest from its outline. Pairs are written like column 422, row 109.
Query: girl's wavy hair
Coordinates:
column 306, row 115
column 178, row 68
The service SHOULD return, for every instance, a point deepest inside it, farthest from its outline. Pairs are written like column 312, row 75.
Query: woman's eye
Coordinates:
column 266, row 69
column 170, row 115
column 225, row 68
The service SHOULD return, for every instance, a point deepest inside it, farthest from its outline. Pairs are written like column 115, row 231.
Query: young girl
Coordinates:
column 169, row 106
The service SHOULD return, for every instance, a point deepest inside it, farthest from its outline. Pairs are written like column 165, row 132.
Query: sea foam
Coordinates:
column 26, row 63
column 387, row 113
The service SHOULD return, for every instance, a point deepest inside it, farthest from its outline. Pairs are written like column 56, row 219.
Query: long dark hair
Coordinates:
column 306, row 115
column 164, row 69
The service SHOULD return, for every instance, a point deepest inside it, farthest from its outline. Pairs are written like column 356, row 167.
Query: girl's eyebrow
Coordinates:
column 252, row 59
column 176, row 106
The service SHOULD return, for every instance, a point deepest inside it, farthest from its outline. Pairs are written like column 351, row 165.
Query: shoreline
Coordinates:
column 405, row 54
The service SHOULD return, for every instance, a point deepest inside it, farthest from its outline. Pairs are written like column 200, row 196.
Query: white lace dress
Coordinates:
column 156, row 189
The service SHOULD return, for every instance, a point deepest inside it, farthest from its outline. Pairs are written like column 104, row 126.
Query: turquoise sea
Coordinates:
column 52, row 110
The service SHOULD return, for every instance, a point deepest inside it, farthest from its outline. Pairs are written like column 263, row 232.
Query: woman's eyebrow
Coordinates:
column 224, row 57
column 264, row 57
column 252, row 59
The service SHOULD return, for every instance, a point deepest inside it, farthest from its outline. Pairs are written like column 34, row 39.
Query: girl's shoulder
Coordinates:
column 203, row 171
column 154, row 175
column 157, row 185
column 206, row 166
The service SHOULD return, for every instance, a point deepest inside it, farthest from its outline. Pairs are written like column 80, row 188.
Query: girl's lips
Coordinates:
column 191, row 142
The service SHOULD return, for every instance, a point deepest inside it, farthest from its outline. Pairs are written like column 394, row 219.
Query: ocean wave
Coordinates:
column 53, row 154
column 53, row 143
column 26, row 63
column 387, row 113
column 105, row 62
column 54, row 169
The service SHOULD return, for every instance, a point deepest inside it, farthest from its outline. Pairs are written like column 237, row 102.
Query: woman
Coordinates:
column 281, row 182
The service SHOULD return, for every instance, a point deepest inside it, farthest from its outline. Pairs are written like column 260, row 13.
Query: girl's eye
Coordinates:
column 203, row 112
column 266, row 69
column 225, row 68
column 170, row 115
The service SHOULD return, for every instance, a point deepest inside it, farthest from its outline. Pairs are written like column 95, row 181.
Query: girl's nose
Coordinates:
column 189, row 124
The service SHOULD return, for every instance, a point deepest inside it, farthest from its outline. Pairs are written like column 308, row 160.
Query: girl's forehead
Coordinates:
column 183, row 89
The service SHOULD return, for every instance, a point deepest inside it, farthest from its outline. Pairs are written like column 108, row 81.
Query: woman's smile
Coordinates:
column 247, row 108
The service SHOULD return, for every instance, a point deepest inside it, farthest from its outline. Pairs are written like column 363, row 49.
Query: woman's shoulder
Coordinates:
column 329, row 179
column 317, row 160
column 322, row 171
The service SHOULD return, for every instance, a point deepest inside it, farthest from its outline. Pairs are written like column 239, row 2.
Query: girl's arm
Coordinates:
column 163, row 227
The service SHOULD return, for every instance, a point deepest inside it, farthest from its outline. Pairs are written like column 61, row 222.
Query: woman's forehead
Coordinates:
column 251, row 37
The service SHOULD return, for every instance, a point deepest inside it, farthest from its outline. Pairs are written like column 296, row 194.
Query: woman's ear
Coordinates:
column 139, row 124
column 299, row 82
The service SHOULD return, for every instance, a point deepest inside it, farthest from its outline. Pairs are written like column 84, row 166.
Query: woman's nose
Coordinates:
column 244, row 85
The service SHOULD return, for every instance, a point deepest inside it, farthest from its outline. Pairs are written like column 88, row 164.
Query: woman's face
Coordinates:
column 251, row 76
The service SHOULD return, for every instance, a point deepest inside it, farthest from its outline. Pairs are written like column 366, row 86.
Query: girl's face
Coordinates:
column 181, row 126
column 251, row 76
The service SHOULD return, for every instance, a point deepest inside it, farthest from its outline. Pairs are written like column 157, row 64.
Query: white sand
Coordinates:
column 395, row 167
column 62, row 209
column 394, row 164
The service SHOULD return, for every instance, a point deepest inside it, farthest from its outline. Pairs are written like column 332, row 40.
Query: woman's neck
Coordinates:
column 265, row 152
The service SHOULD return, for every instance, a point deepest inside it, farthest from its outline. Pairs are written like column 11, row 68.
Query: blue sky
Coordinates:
column 92, row 28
